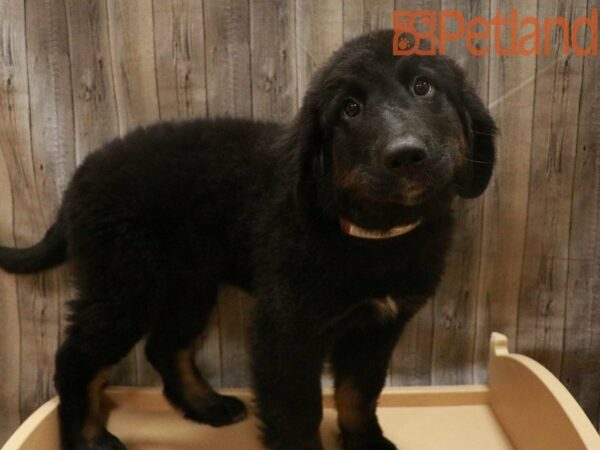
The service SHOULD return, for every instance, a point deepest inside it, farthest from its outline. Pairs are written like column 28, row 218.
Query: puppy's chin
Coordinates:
column 411, row 196
column 406, row 192
column 414, row 196
column 385, row 209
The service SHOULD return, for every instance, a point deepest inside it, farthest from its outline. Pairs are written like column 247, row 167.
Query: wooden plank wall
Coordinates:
column 526, row 256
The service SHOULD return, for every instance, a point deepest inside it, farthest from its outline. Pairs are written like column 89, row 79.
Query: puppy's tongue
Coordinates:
column 355, row 231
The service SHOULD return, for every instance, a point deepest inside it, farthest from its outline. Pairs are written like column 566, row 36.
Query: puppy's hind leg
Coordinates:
column 171, row 349
column 100, row 335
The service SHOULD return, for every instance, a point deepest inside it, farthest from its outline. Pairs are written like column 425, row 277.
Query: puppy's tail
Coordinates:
column 49, row 252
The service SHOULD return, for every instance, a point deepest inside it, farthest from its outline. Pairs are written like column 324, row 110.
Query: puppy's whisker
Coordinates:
column 483, row 133
column 477, row 160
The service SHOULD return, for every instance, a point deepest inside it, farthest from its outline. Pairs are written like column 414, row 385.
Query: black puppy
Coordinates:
column 338, row 223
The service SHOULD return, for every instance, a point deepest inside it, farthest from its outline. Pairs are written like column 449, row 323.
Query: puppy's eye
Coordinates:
column 351, row 108
column 422, row 87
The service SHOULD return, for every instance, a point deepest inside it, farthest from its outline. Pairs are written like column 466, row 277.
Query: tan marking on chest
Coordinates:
column 386, row 308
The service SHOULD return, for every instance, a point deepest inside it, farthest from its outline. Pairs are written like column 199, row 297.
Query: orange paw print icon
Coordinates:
column 403, row 44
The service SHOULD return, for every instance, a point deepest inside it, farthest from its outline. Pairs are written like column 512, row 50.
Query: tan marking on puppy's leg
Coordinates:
column 353, row 414
column 386, row 308
column 194, row 386
column 94, row 422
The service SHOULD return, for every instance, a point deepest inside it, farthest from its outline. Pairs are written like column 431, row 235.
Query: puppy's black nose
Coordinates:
column 404, row 153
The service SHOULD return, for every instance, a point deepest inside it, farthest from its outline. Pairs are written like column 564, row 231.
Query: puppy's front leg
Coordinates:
column 287, row 364
column 360, row 361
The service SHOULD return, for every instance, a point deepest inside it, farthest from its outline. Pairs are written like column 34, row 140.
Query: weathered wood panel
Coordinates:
column 134, row 69
column 180, row 61
column 352, row 18
column 274, row 84
column 52, row 161
column 227, row 34
column 319, row 32
column 16, row 200
column 554, row 145
column 581, row 352
column 361, row 16
column 511, row 99
column 94, row 99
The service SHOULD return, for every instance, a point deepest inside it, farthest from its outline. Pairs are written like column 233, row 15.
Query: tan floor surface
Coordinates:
column 469, row 427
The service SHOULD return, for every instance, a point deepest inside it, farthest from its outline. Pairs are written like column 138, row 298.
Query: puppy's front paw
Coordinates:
column 370, row 442
column 218, row 410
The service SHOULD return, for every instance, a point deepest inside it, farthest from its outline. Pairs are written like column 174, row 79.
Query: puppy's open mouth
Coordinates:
column 354, row 230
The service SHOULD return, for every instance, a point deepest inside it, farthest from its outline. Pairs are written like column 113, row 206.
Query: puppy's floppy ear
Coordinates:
column 480, row 130
column 305, row 142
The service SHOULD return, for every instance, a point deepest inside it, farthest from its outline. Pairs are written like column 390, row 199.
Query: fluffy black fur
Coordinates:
column 155, row 221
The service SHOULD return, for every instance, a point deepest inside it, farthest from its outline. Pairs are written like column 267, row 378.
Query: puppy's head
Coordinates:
column 386, row 141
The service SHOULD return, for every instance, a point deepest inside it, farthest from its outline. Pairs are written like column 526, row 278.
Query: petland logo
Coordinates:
column 527, row 36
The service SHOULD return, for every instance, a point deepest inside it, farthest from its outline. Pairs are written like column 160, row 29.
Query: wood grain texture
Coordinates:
column 418, row 5
column 94, row 99
column 361, row 16
column 352, row 18
column 15, row 196
column 273, row 47
column 41, row 296
column 319, row 32
column 134, row 70
column 581, row 352
column 455, row 305
column 511, row 99
column 545, row 260
column 377, row 14
column 227, row 43
column 525, row 259
column 180, row 61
